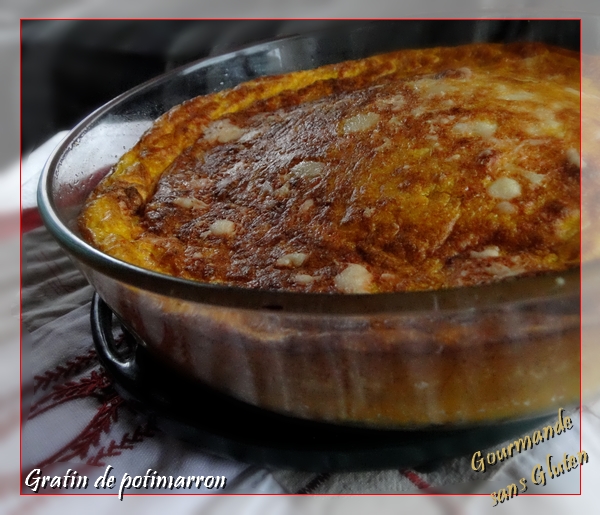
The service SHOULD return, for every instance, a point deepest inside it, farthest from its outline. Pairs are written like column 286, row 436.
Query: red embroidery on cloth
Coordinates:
column 90, row 436
column 114, row 449
column 97, row 386
column 70, row 368
column 415, row 479
column 30, row 219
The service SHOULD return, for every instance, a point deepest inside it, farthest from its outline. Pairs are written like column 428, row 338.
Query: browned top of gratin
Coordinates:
column 416, row 170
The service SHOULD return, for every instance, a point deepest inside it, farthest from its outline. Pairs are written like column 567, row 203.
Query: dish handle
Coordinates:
column 116, row 353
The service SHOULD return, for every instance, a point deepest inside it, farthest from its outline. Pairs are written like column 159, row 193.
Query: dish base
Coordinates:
column 230, row 428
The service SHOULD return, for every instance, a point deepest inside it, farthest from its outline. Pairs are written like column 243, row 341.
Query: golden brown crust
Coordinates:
column 421, row 169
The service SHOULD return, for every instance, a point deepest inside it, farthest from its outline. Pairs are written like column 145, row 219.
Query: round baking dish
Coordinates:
column 451, row 358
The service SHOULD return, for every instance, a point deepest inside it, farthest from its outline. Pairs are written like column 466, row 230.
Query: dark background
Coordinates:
column 71, row 67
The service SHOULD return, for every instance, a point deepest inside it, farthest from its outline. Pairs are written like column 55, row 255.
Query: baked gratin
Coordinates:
column 415, row 170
